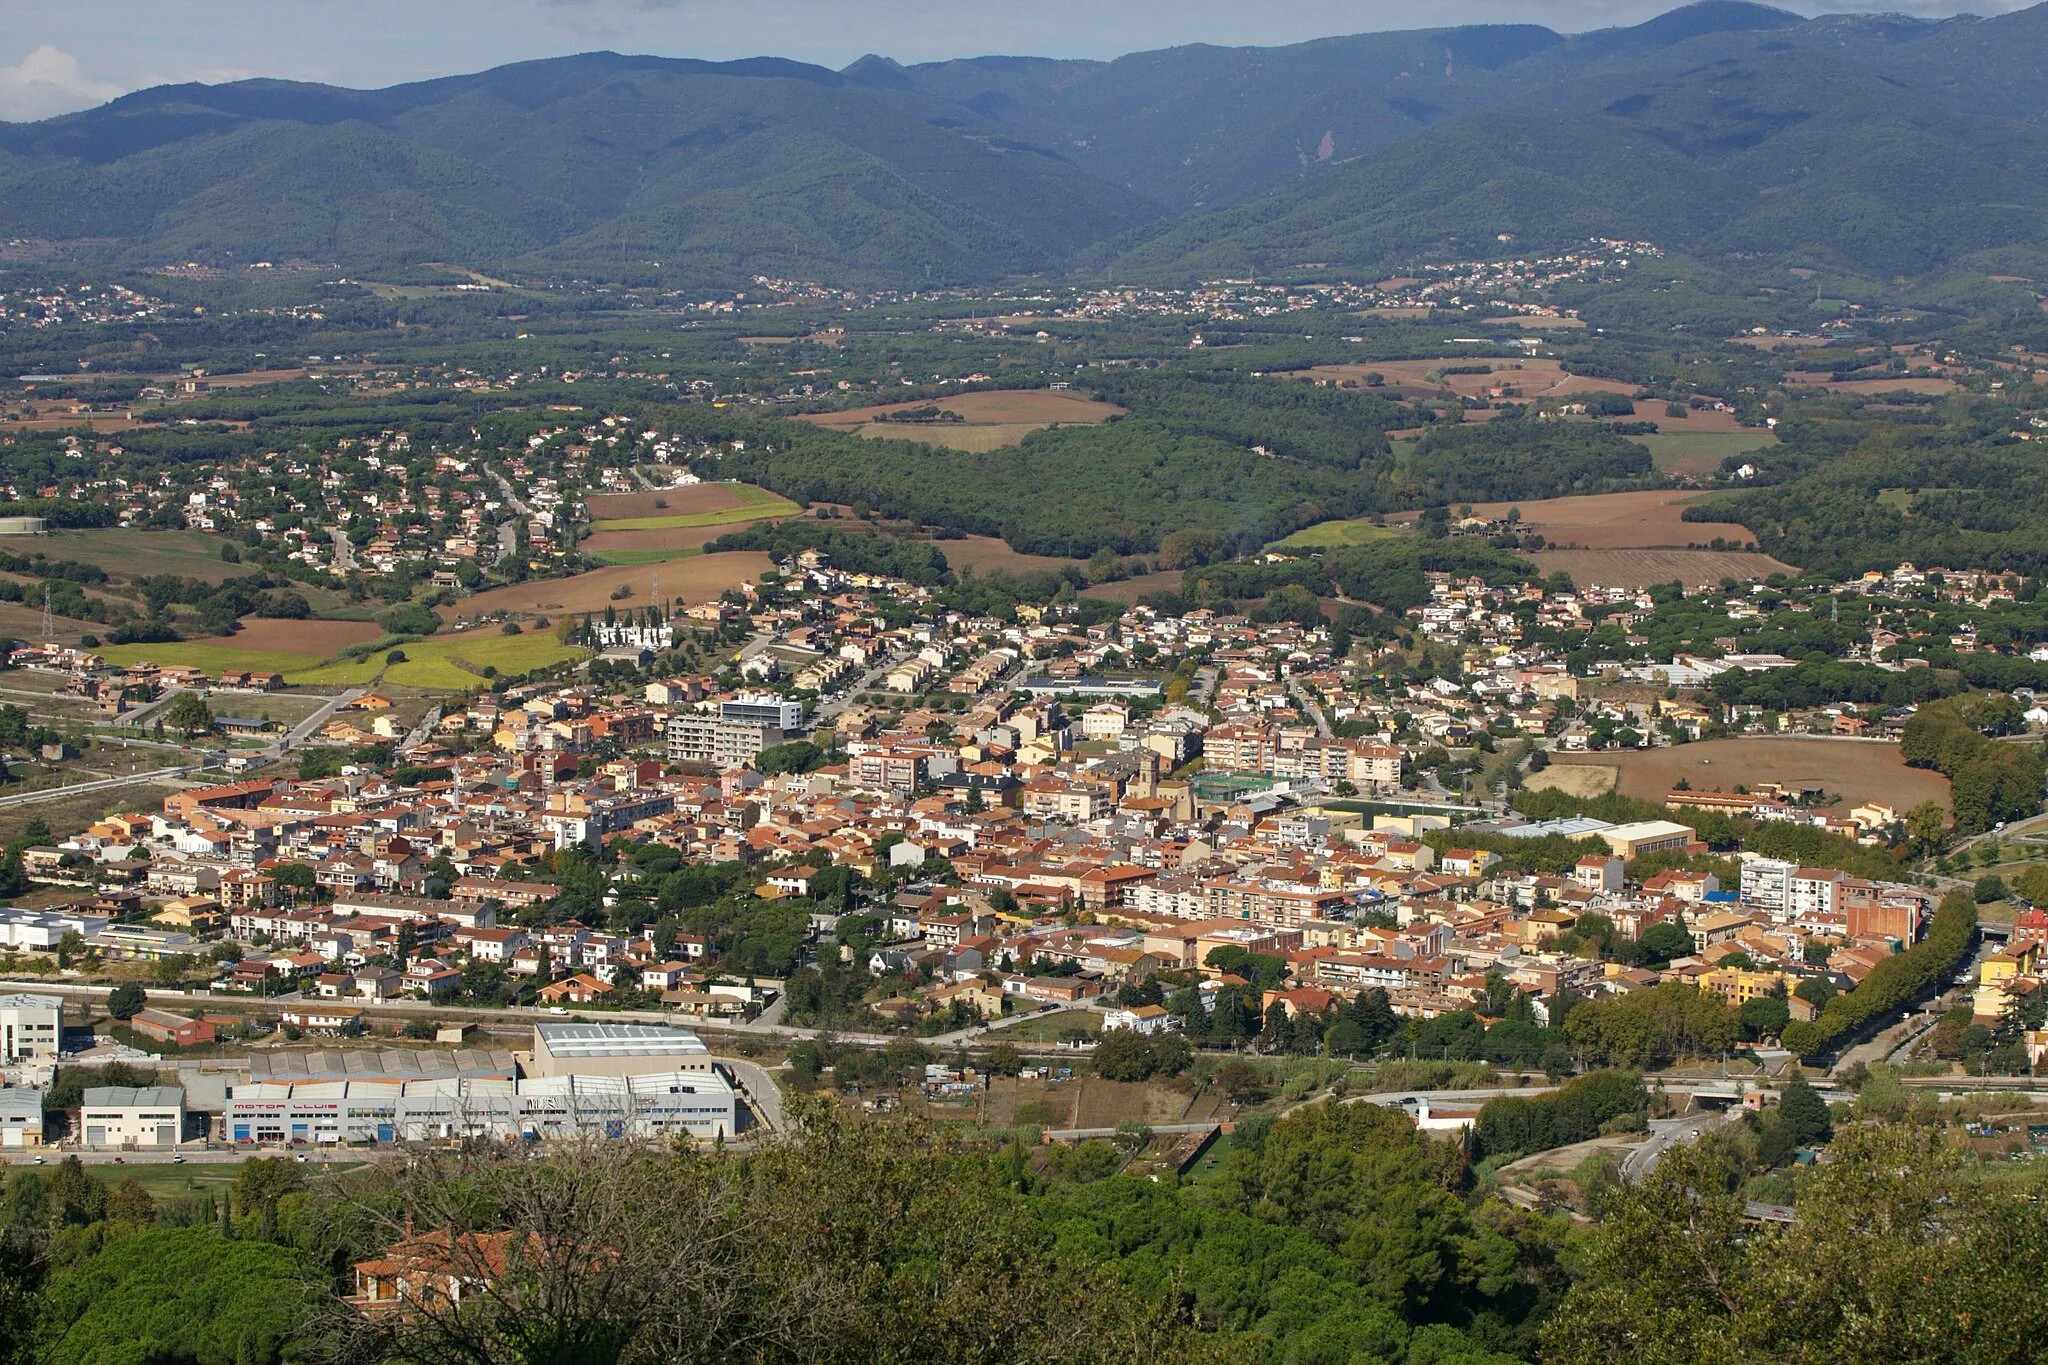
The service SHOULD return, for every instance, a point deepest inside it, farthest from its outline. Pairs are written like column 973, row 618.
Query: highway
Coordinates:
column 1663, row 1133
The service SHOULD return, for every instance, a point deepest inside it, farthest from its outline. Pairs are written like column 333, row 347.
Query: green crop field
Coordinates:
column 1336, row 534
column 213, row 658
column 1699, row 452
column 646, row 556
column 428, row 663
column 759, row 503
column 125, row 551
column 432, row 664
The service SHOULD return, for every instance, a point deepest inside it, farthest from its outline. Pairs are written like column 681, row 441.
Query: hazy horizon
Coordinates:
column 57, row 58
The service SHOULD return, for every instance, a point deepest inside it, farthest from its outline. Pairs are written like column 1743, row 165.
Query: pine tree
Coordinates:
column 1803, row 1112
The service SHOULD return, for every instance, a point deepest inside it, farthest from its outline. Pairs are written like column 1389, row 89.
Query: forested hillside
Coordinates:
column 1732, row 130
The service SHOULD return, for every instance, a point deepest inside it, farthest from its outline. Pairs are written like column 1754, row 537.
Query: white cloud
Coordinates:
column 46, row 83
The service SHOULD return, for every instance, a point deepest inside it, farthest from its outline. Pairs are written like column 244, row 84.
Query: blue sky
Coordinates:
column 60, row 55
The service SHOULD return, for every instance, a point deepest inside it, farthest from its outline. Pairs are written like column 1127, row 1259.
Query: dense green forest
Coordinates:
column 1335, row 1233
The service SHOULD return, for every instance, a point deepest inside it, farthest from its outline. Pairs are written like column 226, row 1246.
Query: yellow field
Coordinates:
column 975, row 440
column 756, row 503
column 432, row 663
column 1336, row 534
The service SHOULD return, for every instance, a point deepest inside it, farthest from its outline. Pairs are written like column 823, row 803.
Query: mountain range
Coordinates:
column 1877, row 144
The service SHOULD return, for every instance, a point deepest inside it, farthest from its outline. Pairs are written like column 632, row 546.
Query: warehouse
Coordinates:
column 133, row 1116
column 606, row 1049
column 330, row 1113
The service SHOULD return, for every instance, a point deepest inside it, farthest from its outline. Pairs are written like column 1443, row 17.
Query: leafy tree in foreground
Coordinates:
column 174, row 1294
column 1900, row 1252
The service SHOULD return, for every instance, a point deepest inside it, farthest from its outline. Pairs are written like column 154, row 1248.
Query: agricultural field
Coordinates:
column 1652, row 519
column 1583, row 780
column 1682, row 449
column 696, row 579
column 128, row 552
column 1870, row 388
column 66, row 815
column 991, row 420
column 1535, row 378
column 1859, row 770
column 318, row 638
column 985, row 553
column 1641, row 568
column 1326, row 535
column 684, row 501
column 23, row 622
column 214, row 656
column 1131, row 589
column 1105, row 1104
column 976, row 438
column 755, row 504
column 452, row 662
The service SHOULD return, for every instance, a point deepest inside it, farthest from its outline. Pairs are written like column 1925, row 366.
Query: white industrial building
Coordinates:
column 598, row 1048
column 21, row 1117
column 584, row 1079
column 31, row 1027
column 133, row 1116
column 40, row 931
column 698, row 1104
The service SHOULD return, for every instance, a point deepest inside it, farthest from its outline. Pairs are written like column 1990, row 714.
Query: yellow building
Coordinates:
column 1738, row 986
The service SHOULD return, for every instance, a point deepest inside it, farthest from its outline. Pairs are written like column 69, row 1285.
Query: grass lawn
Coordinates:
column 1336, row 534
column 646, row 556
column 756, row 503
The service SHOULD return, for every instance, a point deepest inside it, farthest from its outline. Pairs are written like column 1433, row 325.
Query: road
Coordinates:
column 98, row 784
column 310, row 726
column 841, row 700
column 508, row 539
column 420, row 732
column 1308, row 706
column 1663, row 1132
column 645, row 482
column 511, row 498
column 344, row 552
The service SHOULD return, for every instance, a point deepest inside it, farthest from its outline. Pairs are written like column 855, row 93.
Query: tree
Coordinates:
column 182, row 1294
column 1665, row 940
column 1815, row 990
column 1988, row 888
column 126, row 1001
column 1765, row 1016
column 1242, row 1082
column 1900, row 1252
column 1803, row 1112
column 189, row 715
